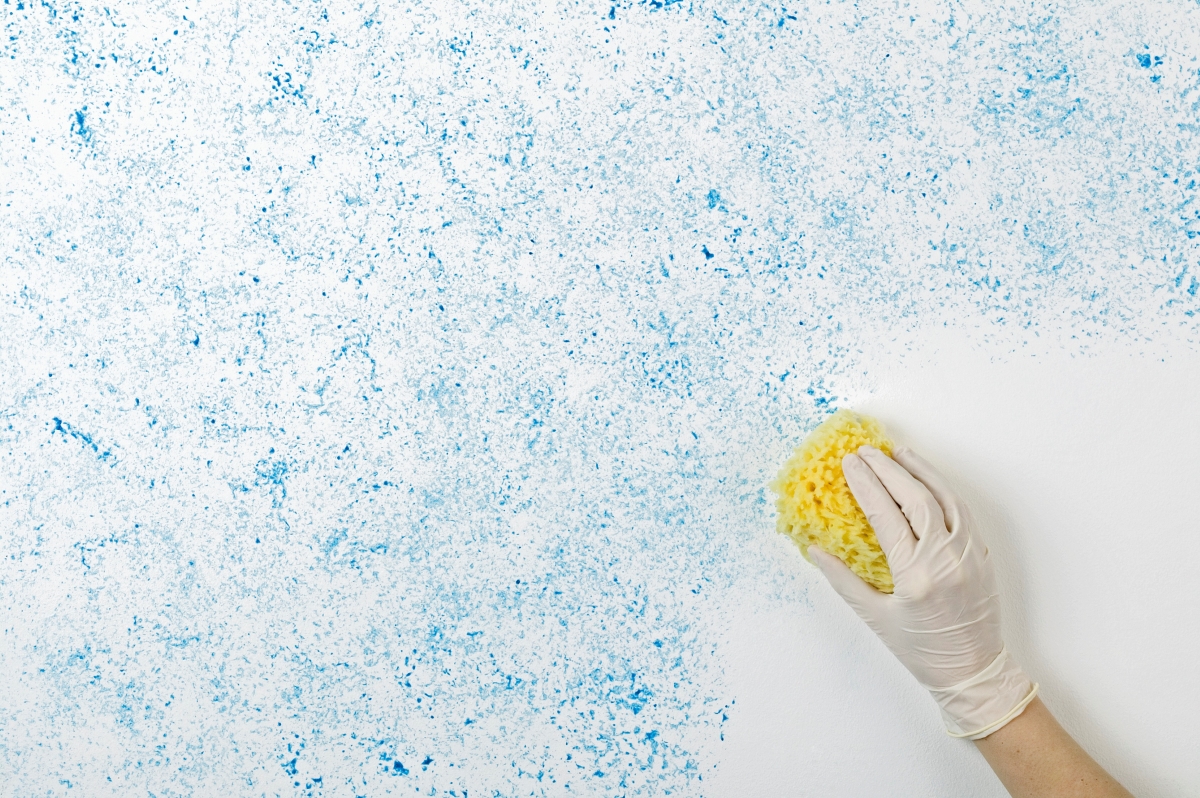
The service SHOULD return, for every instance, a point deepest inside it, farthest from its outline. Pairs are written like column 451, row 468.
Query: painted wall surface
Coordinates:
column 388, row 393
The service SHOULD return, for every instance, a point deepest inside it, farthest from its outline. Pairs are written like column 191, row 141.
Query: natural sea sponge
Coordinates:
column 815, row 505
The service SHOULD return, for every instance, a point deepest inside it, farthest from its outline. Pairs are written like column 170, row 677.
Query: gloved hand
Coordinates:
column 943, row 620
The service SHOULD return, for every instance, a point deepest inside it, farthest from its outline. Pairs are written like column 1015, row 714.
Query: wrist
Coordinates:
column 986, row 702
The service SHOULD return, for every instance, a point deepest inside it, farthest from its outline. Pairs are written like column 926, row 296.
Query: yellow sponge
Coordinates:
column 815, row 505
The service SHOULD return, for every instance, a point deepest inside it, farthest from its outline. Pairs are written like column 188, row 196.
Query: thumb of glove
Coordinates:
column 865, row 600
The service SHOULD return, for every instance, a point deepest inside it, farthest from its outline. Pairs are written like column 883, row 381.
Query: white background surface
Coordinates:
column 1083, row 474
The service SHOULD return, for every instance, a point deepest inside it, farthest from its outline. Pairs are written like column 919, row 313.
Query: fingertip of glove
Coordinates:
column 870, row 454
column 852, row 461
column 823, row 559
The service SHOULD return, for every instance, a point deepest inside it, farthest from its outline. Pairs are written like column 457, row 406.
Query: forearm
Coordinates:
column 1034, row 757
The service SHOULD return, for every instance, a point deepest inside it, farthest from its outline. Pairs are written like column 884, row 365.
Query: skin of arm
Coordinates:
column 1034, row 757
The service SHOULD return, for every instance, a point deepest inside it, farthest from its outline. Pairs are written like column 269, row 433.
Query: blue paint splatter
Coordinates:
column 475, row 447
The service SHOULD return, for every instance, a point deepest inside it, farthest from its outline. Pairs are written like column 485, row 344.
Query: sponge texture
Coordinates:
column 815, row 506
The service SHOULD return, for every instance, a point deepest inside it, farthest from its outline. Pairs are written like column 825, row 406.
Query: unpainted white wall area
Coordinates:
column 1080, row 472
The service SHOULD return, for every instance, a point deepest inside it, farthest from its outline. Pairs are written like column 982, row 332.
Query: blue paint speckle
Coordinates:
column 79, row 126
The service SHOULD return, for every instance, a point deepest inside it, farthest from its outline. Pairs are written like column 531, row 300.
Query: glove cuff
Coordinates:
column 987, row 702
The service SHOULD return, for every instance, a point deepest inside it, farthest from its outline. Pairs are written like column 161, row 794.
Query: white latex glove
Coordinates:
column 943, row 620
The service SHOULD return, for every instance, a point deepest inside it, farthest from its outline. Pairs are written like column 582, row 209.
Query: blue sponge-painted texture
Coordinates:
column 388, row 393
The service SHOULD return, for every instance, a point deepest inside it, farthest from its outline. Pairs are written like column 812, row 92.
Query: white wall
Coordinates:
column 1082, row 472
column 388, row 392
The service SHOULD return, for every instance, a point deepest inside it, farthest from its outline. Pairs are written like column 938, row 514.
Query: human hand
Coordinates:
column 943, row 620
